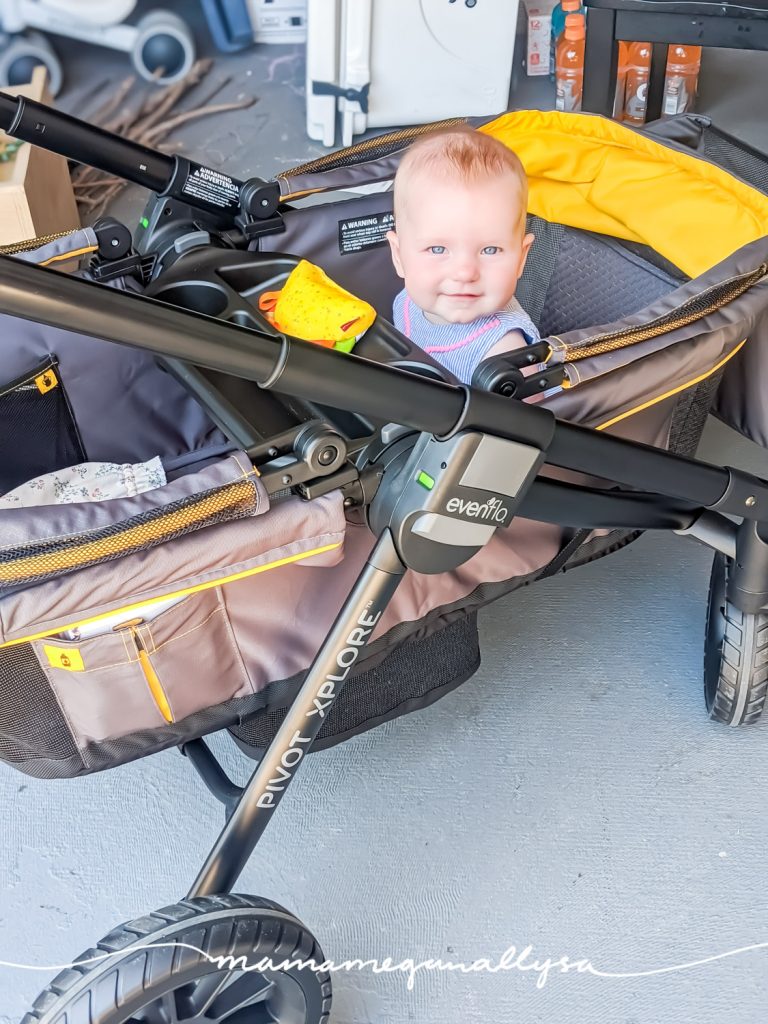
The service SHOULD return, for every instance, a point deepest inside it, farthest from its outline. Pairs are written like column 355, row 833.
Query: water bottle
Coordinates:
column 559, row 12
column 681, row 79
column 569, row 64
column 636, row 82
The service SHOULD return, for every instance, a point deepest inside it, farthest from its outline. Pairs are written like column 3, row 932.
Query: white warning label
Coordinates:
column 366, row 232
column 212, row 187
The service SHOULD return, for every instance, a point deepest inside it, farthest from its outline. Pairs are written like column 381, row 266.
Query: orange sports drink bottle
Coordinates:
column 681, row 79
column 569, row 64
column 636, row 82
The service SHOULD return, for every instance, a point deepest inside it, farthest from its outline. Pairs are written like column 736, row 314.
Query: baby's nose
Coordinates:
column 465, row 269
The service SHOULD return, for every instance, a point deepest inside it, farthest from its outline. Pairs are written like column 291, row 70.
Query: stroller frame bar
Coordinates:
column 325, row 678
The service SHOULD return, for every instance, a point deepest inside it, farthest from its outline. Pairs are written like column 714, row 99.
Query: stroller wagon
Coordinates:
column 331, row 522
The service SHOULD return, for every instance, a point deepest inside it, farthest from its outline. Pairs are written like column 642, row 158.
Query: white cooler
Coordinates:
column 383, row 63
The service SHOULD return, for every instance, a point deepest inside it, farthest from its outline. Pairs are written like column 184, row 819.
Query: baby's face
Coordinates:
column 459, row 246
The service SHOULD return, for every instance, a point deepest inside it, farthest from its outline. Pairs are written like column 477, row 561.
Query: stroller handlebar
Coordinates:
column 61, row 133
column 222, row 198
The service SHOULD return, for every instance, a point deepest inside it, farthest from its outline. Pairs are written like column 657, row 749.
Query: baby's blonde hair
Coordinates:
column 461, row 154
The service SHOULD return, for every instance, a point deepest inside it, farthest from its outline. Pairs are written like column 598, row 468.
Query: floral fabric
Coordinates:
column 88, row 481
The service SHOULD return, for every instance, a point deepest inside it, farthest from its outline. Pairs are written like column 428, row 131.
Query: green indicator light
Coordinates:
column 425, row 480
column 144, row 222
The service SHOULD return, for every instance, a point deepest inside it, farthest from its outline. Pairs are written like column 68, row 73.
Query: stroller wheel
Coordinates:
column 24, row 53
column 147, row 981
column 735, row 655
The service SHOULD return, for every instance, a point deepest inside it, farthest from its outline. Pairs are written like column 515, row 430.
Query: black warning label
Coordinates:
column 367, row 232
column 211, row 187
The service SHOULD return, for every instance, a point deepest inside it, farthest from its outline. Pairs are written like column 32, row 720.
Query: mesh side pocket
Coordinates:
column 412, row 676
column 736, row 156
column 37, row 430
column 32, row 726
column 691, row 414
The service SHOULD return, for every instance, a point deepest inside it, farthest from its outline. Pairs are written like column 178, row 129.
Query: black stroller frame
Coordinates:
column 465, row 464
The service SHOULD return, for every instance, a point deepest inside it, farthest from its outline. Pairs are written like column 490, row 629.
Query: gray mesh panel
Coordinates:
column 734, row 156
column 534, row 284
column 691, row 414
column 31, row 723
column 410, row 677
column 597, row 281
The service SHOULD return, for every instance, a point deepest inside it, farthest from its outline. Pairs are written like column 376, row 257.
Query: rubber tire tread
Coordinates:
column 744, row 663
column 50, row 1007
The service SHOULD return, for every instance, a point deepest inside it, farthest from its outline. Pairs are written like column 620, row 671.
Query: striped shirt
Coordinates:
column 460, row 348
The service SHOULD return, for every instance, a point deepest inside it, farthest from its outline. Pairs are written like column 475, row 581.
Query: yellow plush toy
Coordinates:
column 314, row 308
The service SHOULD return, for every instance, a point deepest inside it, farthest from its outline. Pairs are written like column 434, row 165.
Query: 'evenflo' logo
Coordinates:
column 490, row 511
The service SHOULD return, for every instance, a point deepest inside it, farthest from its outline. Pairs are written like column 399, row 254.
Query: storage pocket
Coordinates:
column 145, row 674
column 37, row 429
column 193, row 651
column 33, row 730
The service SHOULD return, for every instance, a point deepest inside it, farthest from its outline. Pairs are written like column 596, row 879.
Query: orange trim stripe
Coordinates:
column 176, row 593
column 155, row 686
column 674, row 391
column 69, row 255
column 305, row 192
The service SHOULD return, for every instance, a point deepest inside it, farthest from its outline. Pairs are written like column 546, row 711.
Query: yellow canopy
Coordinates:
column 595, row 174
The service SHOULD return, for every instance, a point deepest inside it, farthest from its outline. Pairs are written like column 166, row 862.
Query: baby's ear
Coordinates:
column 394, row 247
column 525, row 248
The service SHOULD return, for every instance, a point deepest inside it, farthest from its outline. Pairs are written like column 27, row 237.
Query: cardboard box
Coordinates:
column 36, row 197
column 538, row 27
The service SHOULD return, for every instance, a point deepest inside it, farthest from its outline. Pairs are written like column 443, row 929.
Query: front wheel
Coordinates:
column 164, row 969
column 735, row 655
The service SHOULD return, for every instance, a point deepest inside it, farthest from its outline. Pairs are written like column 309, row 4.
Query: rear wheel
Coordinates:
column 735, row 655
column 163, row 969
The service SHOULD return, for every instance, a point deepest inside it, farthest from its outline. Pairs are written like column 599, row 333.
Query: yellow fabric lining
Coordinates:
column 220, row 581
column 592, row 173
column 674, row 391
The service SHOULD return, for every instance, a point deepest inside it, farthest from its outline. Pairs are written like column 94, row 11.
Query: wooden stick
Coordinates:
column 174, row 92
column 104, row 111
column 191, row 115
column 148, row 122
column 99, row 184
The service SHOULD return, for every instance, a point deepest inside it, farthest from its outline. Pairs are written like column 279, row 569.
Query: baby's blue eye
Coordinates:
column 491, row 250
column 438, row 250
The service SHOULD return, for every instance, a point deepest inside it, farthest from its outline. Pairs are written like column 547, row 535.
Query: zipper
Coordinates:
column 696, row 308
column 151, row 677
column 376, row 148
column 34, row 243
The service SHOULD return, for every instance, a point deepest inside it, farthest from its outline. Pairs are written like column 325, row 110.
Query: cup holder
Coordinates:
column 198, row 296
column 244, row 319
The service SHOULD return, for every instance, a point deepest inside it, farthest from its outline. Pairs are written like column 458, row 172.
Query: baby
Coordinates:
column 460, row 246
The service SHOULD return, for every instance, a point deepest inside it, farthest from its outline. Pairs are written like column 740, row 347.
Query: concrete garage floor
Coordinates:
column 571, row 796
